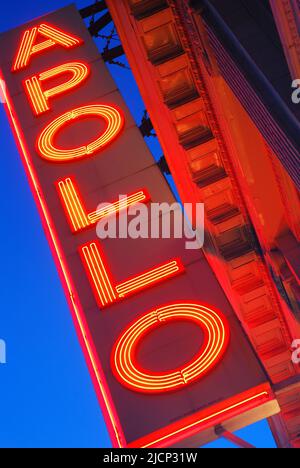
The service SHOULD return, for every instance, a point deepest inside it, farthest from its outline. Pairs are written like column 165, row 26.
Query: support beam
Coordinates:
column 99, row 24
column 163, row 165
column 234, row 439
column 111, row 54
column 146, row 126
column 93, row 9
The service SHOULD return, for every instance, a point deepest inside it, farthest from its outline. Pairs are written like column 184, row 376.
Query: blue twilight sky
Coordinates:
column 46, row 395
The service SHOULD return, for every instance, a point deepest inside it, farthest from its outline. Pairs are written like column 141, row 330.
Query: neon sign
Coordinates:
column 39, row 99
column 76, row 212
column 106, row 292
column 29, row 47
column 110, row 288
column 45, row 143
column 216, row 333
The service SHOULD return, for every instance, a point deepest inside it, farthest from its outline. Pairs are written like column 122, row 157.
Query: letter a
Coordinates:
column 53, row 36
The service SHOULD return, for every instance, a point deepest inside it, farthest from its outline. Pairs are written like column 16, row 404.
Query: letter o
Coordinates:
column 216, row 338
column 114, row 123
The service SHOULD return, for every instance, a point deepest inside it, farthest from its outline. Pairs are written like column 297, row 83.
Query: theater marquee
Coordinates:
column 168, row 357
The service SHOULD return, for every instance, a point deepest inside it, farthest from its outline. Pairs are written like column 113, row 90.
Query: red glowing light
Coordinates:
column 105, row 290
column 77, row 312
column 114, row 123
column 172, row 433
column 53, row 35
column 39, row 98
column 76, row 212
column 216, row 338
column 206, row 418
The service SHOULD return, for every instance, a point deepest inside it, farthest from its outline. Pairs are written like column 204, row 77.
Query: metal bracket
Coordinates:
column 220, row 431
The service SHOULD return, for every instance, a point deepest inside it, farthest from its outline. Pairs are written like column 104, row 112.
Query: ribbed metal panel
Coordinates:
column 271, row 131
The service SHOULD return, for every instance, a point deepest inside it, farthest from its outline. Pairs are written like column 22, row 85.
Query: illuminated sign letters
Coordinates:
column 162, row 343
column 39, row 98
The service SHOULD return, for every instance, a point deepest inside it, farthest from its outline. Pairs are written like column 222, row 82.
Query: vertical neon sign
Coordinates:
column 106, row 292
column 67, row 207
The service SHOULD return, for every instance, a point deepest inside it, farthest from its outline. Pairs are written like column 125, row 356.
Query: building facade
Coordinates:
column 216, row 80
